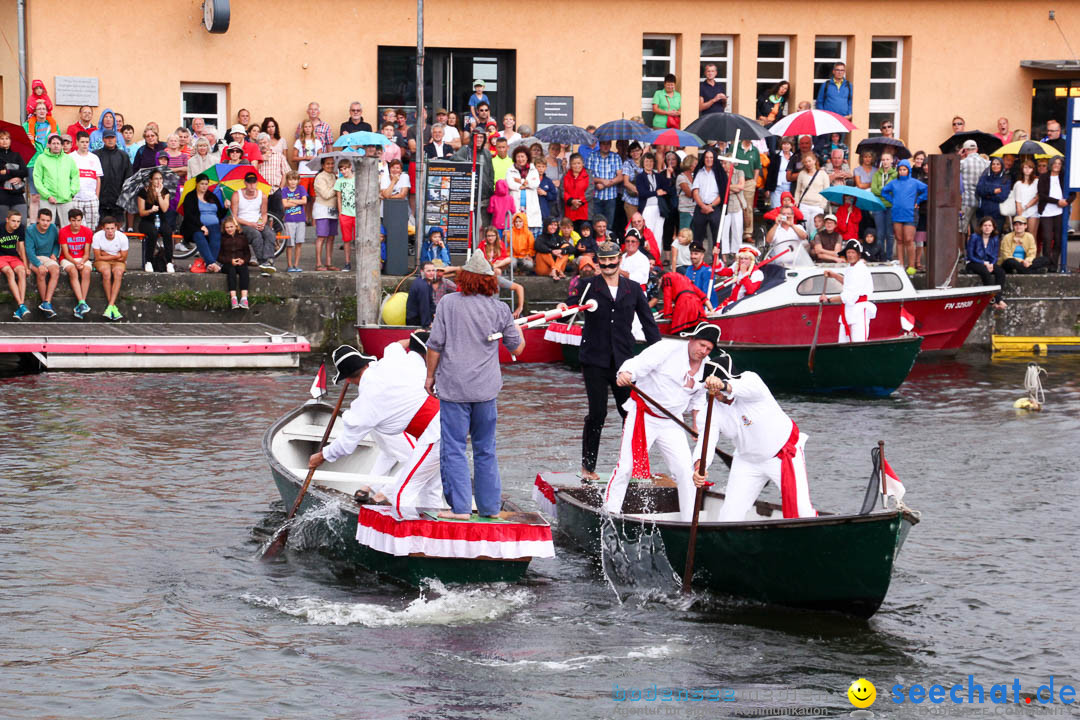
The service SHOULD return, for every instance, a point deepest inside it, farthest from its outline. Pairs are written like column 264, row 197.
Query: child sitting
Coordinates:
column 522, row 243
column 434, row 247
column 873, row 251
column 680, row 250
column 786, row 200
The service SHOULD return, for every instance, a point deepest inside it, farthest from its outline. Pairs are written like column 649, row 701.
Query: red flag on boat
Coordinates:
column 318, row 385
column 890, row 484
column 907, row 320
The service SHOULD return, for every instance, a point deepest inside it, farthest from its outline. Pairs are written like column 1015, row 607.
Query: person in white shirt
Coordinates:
column 90, row 174
column 858, row 289
column 672, row 373
column 635, row 264
column 768, row 444
column 391, row 400
column 110, row 248
column 709, row 187
column 450, row 133
column 786, row 234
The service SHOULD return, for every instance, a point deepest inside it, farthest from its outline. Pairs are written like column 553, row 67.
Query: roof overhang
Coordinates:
column 1053, row 65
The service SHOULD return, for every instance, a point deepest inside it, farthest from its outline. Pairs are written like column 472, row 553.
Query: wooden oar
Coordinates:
column 688, row 572
column 278, row 543
column 723, row 455
column 817, row 329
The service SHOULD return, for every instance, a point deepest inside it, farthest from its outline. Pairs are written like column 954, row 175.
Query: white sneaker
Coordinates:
column 148, row 267
column 169, row 268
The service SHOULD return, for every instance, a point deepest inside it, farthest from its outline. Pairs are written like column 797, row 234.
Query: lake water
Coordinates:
column 135, row 505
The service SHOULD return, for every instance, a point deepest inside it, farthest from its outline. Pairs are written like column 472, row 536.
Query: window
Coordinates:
column 773, row 54
column 716, row 49
column 827, row 52
column 203, row 101
column 886, row 68
column 657, row 60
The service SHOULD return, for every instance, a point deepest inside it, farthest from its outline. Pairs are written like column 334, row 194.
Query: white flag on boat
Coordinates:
column 318, row 385
column 890, row 484
column 907, row 320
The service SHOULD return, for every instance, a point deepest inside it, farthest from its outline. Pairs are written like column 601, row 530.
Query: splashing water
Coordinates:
column 319, row 526
column 636, row 568
column 437, row 605
column 650, row 652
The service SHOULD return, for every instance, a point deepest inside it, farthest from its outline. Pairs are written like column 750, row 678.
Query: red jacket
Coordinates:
column 683, row 301
column 848, row 218
column 575, row 189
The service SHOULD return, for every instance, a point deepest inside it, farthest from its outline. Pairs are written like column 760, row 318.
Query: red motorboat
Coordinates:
column 783, row 311
column 373, row 338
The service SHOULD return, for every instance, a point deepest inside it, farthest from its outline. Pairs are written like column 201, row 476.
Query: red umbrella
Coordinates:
column 20, row 141
column 811, row 122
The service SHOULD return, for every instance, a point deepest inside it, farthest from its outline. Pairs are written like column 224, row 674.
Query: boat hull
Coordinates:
column 374, row 338
column 336, row 533
column 835, row 563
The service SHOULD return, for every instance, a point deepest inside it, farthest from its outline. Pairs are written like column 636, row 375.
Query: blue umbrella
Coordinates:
column 674, row 138
column 622, row 130
column 566, row 135
column 864, row 199
column 360, row 138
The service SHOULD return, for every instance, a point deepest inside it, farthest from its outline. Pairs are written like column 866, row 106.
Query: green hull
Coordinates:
column 875, row 367
column 836, row 563
column 337, row 534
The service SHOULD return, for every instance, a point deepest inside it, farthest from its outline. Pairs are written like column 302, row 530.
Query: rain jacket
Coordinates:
column 115, row 169
column 881, row 179
column 522, row 241
column 527, row 200
column 32, row 99
column 97, row 141
column 428, row 251
column 978, row 254
column 501, row 205
column 56, row 176
column 835, row 99
column 549, row 204
column 16, row 168
column 989, row 201
column 904, row 193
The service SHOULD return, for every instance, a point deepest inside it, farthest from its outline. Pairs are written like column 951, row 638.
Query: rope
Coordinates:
column 1033, row 383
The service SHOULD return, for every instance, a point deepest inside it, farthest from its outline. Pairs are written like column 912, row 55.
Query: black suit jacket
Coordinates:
column 606, row 339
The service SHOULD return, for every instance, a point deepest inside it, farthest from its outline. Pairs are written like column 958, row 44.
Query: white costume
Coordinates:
column 662, row 371
column 858, row 310
column 766, row 440
column 637, row 267
column 392, row 402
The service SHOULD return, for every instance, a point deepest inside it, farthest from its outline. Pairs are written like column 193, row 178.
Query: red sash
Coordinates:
column 423, row 417
column 638, row 445
column 843, row 315
column 788, row 488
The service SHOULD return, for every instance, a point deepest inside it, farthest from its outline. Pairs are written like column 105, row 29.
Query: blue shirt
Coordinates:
column 474, row 101
column 702, row 277
column 630, row 170
column 835, row 99
column 604, row 167
column 38, row 243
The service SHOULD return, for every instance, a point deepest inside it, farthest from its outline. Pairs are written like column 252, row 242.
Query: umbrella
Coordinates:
column 722, row 126
column 566, row 135
column 129, row 193
column 528, row 142
column 987, row 143
column 225, row 179
column 811, row 122
column 315, row 163
column 361, row 138
column 20, row 141
column 1027, row 147
column 878, row 144
column 674, row 138
column 864, row 199
column 622, row 130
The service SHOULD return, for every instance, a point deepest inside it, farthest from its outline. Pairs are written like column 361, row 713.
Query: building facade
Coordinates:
column 917, row 63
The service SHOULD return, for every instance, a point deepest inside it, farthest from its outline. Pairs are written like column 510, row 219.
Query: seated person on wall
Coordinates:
column 420, row 305
column 522, row 243
column 434, row 247
column 553, row 250
column 635, row 264
column 75, row 239
column 42, row 253
column 110, row 248
column 983, row 248
column 649, row 245
column 496, row 254
column 873, row 250
column 12, row 260
column 586, row 270
column 827, row 242
column 1017, row 253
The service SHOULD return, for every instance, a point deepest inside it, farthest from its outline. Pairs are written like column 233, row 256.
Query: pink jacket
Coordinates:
column 501, row 203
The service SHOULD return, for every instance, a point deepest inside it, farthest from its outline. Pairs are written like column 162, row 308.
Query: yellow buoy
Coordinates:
column 393, row 309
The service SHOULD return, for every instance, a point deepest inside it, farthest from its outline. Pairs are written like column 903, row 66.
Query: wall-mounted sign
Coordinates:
column 554, row 110
column 70, row 90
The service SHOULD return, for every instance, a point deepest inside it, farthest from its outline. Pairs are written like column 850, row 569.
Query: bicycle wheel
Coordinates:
column 279, row 233
column 183, row 247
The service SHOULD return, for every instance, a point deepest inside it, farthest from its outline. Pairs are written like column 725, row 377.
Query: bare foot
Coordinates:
column 589, row 475
column 451, row 515
column 379, row 498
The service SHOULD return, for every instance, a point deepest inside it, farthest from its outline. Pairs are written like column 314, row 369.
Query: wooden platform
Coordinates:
column 1034, row 345
column 151, row 346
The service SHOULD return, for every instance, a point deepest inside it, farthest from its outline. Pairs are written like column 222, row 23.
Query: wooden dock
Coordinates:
column 149, row 346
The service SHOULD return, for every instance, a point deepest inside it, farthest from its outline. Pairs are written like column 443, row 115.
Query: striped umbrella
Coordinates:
column 1040, row 150
column 811, row 122
column 674, row 138
column 622, row 130
column 566, row 135
column 225, row 179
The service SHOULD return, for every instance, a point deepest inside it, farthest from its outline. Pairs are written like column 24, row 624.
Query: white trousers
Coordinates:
column 419, row 482
column 671, row 440
column 809, row 213
column 747, row 479
column 858, row 316
column 655, row 222
column 392, row 450
column 731, row 237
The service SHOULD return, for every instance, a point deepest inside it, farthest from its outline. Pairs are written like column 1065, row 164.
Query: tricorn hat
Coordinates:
column 704, row 331
column 720, row 365
column 478, row 264
column 418, row 342
column 853, row 245
column 348, row 360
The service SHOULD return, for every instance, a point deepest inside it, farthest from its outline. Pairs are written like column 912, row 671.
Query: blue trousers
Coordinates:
column 883, row 223
column 607, row 209
column 460, row 420
column 209, row 247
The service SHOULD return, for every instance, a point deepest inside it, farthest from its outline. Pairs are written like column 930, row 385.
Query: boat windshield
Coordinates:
column 798, row 257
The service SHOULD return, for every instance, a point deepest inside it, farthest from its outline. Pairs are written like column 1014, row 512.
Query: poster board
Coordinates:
column 447, row 201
